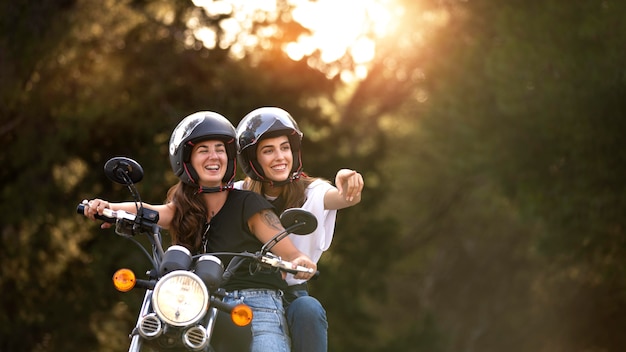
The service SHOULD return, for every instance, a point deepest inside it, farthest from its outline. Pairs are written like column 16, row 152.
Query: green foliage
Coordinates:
column 421, row 336
column 523, row 113
column 490, row 142
column 115, row 85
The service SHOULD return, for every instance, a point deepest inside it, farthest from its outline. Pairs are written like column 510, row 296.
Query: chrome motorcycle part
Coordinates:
column 180, row 298
column 150, row 326
column 195, row 338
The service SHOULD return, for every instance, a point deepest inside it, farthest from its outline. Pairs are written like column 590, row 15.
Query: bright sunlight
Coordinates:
column 338, row 27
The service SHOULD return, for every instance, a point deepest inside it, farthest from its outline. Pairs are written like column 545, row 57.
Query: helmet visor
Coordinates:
column 253, row 128
column 183, row 130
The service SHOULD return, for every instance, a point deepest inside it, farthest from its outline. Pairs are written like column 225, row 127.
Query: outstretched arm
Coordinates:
column 97, row 206
column 349, row 185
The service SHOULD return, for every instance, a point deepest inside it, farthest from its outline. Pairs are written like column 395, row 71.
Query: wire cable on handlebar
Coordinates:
column 139, row 210
column 133, row 191
column 144, row 250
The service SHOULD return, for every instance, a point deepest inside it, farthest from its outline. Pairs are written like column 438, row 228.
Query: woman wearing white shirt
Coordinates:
column 268, row 146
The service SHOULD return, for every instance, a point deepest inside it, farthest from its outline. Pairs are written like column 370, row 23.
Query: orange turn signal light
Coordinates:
column 124, row 280
column 241, row 315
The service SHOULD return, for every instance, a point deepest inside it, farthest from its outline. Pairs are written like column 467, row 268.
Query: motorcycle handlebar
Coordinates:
column 287, row 266
column 80, row 209
column 111, row 216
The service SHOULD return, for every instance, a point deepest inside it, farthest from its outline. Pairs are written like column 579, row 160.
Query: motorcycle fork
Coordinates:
column 136, row 342
column 210, row 323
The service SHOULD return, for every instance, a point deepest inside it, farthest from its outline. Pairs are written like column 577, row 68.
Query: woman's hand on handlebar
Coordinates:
column 303, row 260
column 96, row 207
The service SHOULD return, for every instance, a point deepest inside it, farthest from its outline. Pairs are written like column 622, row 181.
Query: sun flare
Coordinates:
column 338, row 27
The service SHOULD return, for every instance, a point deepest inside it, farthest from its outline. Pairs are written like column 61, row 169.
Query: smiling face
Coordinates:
column 275, row 157
column 210, row 160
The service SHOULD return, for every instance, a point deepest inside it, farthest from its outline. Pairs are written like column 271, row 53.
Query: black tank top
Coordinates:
column 229, row 232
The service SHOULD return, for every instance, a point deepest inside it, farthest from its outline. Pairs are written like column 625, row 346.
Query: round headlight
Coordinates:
column 180, row 298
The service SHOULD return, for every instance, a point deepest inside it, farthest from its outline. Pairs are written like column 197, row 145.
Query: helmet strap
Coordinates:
column 192, row 175
column 202, row 189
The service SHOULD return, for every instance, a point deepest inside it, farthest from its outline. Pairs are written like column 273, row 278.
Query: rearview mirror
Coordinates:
column 123, row 170
column 298, row 221
column 295, row 220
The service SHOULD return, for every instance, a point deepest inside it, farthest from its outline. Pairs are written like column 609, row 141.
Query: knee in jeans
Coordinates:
column 306, row 306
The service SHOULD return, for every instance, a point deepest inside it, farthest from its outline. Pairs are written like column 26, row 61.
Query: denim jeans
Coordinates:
column 269, row 326
column 307, row 321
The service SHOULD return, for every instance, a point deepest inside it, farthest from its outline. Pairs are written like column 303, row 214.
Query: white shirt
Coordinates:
column 315, row 243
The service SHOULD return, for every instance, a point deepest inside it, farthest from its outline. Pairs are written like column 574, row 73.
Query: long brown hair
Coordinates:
column 292, row 193
column 190, row 216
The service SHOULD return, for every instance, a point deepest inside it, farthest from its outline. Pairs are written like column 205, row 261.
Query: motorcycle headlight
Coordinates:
column 180, row 298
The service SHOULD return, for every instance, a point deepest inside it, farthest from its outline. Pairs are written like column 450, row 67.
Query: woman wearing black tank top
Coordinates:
column 204, row 213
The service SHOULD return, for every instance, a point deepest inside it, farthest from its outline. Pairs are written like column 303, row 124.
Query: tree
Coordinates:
column 512, row 145
column 105, row 85
column 488, row 135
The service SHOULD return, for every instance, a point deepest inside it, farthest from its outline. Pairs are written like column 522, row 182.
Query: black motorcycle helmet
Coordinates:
column 197, row 127
column 267, row 122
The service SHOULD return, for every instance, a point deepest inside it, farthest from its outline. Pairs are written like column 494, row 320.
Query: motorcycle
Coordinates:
column 182, row 304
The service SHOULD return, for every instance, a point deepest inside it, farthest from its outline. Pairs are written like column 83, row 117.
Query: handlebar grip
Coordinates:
column 295, row 271
column 283, row 265
column 80, row 209
column 299, row 269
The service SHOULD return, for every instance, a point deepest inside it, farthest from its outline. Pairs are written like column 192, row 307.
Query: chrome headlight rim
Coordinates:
column 162, row 285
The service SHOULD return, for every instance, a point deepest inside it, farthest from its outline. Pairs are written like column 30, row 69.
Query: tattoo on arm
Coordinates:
column 271, row 219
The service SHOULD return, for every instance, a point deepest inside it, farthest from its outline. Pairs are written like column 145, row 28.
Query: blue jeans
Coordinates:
column 269, row 326
column 307, row 321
